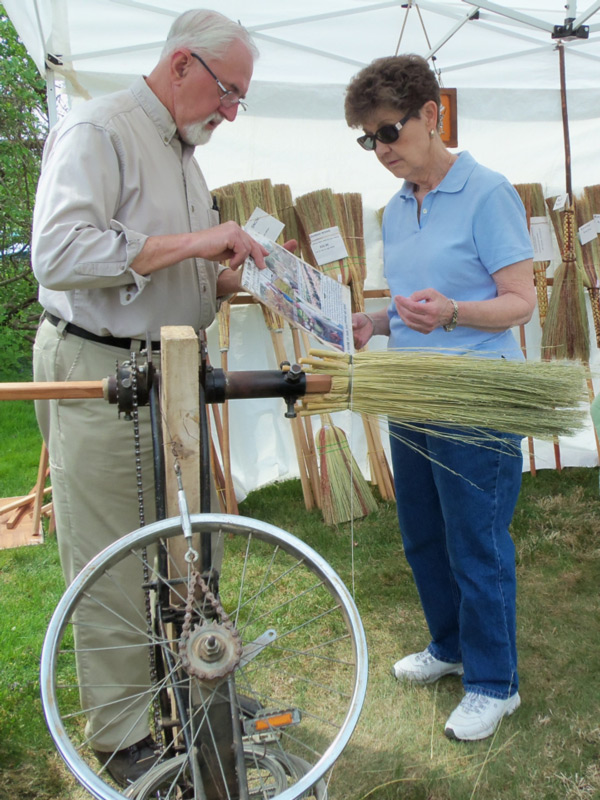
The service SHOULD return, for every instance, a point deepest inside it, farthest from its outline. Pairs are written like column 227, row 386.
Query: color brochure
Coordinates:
column 301, row 294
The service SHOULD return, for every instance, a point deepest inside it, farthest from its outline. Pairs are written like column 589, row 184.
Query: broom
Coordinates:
column 532, row 197
column 247, row 196
column 566, row 332
column 344, row 490
column 421, row 389
column 586, row 207
column 315, row 211
column 350, row 206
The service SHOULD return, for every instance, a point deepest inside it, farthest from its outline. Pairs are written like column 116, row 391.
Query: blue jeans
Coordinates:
column 454, row 509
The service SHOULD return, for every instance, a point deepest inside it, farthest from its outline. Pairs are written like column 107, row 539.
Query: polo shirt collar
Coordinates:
column 158, row 113
column 453, row 181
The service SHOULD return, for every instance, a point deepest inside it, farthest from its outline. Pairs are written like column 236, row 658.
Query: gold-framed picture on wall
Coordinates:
column 448, row 128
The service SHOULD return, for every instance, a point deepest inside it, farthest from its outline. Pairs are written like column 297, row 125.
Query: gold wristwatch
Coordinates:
column 452, row 324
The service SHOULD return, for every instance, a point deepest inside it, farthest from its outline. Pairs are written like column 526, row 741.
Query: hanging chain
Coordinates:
column 156, row 713
column 209, row 598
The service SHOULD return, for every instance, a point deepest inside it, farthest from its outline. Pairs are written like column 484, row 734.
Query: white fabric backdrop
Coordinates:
column 509, row 118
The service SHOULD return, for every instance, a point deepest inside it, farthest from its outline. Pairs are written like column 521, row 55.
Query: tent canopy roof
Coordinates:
column 103, row 43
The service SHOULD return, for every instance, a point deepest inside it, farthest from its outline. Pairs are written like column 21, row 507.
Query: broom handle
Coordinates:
column 297, row 432
column 388, row 480
column 374, row 462
column 529, row 438
column 52, row 390
column 311, row 454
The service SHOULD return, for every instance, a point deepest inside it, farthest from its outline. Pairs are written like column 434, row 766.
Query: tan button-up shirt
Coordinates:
column 115, row 172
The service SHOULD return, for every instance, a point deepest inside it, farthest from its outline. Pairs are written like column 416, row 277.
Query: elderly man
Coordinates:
column 125, row 240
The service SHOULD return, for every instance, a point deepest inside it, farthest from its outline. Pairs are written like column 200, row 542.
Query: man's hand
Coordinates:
column 228, row 242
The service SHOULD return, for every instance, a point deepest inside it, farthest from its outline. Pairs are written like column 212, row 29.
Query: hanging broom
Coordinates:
column 346, row 495
column 532, row 197
column 585, row 210
column 435, row 393
column 566, row 331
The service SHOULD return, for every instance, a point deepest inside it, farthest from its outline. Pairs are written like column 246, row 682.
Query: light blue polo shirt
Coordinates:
column 471, row 225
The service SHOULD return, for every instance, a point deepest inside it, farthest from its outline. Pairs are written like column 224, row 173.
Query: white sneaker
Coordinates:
column 424, row 668
column 477, row 716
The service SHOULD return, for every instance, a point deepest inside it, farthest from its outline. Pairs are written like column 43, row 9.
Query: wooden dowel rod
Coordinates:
column 71, row 390
column 22, row 501
column 59, row 390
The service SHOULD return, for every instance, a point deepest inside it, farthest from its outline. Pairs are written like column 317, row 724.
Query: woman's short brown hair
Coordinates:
column 404, row 83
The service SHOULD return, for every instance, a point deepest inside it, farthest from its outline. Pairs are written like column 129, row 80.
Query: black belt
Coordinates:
column 113, row 341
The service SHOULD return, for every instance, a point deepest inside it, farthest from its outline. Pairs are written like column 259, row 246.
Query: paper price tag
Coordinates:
column 327, row 245
column 541, row 239
column 588, row 232
column 560, row 202
column 597, row 221
column 263, row 223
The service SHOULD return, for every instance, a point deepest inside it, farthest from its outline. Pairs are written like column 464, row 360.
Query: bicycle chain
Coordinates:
column 195, row 580
column 156, row 713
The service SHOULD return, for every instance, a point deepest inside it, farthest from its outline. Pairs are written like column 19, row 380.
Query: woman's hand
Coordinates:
column 424, row 311
column 366, row 325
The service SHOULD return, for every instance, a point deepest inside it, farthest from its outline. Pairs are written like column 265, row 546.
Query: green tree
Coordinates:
column 23, row 129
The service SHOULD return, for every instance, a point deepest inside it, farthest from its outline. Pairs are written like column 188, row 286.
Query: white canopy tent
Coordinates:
column 506, row 71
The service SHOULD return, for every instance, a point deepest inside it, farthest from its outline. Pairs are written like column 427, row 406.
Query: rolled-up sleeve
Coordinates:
column 77, row 243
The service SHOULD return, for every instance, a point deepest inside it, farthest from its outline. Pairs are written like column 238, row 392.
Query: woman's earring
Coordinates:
column 432, row 133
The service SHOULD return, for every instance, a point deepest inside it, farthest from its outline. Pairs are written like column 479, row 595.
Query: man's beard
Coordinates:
column 198, row 133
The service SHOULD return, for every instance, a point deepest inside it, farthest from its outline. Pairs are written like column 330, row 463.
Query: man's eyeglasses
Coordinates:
column 387, row 134
column 228, row 98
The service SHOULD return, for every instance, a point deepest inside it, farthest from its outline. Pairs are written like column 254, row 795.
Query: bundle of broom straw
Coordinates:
column 423, row 390
column 339, row 471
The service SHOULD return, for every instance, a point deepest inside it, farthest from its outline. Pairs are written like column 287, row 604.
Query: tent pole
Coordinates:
column 565, row 119
column 51, row 98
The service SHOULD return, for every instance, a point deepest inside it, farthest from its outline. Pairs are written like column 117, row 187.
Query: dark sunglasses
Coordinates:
column 387, row 134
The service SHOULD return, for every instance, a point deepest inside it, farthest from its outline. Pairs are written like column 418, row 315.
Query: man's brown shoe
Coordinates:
column 127, row 765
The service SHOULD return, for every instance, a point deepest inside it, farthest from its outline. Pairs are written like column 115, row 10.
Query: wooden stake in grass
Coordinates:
column 345, row 493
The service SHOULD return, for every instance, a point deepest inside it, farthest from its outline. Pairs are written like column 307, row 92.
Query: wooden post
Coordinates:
column 180, row 407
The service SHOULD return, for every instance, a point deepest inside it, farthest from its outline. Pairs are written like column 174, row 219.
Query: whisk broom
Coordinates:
column 345, row 493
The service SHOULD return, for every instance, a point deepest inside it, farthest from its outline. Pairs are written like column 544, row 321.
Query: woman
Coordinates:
column 458, row 261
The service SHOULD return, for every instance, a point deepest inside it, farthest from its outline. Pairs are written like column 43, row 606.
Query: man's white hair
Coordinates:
column 206, row 32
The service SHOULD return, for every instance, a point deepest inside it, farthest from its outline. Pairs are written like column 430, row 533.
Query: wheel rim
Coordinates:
column 315, row 663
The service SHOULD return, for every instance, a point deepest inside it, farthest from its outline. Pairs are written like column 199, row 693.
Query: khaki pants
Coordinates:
column 94, row 494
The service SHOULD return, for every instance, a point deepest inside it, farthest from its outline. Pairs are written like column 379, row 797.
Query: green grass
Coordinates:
column 20, row 448
column 549, row 750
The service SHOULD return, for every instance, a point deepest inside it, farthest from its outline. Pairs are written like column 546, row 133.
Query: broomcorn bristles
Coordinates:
column 566, row 331
column 345, row 493
column 423, row 389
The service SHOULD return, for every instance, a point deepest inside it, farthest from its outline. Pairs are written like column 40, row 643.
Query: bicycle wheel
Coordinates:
column 281, row 650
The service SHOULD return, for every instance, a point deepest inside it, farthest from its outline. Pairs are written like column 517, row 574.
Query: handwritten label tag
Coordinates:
column 263, row 223
column 541, row 238
column 327, row 245
column 560, row 202
column 588, row 232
